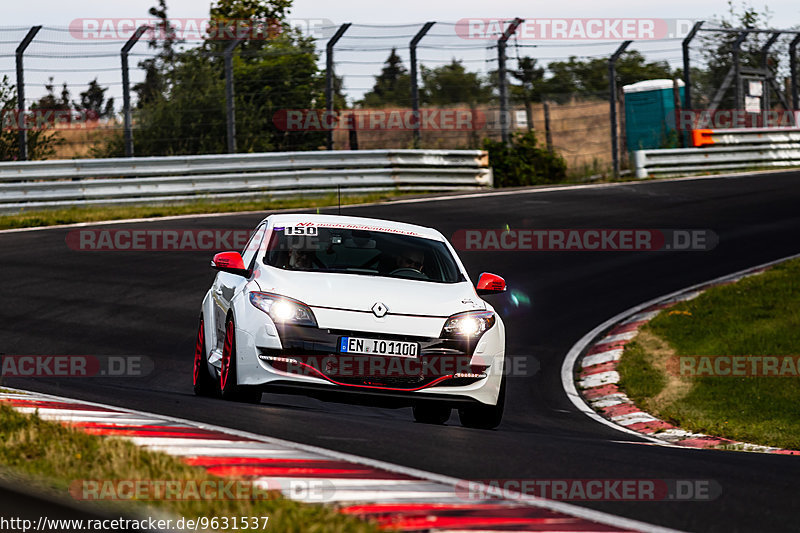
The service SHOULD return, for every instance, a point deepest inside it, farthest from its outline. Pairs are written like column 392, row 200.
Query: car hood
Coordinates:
column 360, row 293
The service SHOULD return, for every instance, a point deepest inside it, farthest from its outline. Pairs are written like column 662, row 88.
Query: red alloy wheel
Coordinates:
column 198, row 355
column 224, row 373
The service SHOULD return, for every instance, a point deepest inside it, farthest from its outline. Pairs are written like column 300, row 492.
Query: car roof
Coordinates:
column 363, row 223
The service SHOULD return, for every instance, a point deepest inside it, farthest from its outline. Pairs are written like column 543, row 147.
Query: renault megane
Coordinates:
column 353, row 309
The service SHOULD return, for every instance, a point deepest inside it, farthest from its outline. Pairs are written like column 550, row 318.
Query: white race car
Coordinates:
column 353, row 309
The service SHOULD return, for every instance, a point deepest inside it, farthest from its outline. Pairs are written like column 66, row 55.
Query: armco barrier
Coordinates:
column 723, row 149
column 45, row 184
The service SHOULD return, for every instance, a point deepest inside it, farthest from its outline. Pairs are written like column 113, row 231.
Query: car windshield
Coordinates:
column 370, row 253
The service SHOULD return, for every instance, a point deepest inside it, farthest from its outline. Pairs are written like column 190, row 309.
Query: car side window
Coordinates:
column 253, row 245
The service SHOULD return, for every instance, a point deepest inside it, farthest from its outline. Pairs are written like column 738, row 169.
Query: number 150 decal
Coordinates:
column 301, row 230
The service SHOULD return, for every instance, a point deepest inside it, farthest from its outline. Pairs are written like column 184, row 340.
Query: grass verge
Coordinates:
column 757, row 316
column 54, row 455
column 52, row 217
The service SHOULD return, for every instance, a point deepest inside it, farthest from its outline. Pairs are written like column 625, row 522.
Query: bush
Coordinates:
column 112, row 145
column 41, row 142
column 521, row 162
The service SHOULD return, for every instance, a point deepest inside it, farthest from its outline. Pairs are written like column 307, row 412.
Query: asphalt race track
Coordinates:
column 60, row 301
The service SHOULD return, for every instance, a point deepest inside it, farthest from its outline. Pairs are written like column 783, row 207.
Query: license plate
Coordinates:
column 357, row 345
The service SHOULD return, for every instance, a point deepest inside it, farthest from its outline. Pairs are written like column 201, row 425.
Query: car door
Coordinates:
column 227, row 285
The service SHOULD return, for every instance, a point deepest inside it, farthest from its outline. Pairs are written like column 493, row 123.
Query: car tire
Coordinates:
column 485, row 416
column 229, row 389
column 204, row 383
column 431, row 412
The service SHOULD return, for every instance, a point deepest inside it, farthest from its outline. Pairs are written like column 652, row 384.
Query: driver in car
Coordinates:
column 411, row 258
column 300, row 260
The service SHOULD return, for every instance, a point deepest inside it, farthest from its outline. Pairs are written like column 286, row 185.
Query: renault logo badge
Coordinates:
column 379, row 310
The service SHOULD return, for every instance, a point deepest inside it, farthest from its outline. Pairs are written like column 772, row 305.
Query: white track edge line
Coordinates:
column 440, row 198
column 567, row 367
column 519, row 498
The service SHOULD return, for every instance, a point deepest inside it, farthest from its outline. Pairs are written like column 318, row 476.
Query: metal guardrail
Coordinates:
column 723, row 149
column 44, row 184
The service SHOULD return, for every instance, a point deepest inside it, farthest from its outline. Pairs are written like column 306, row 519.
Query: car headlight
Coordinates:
column 471, row 324
column 282, row 309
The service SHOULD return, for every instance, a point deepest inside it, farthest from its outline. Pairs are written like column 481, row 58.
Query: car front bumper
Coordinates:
column 306, row 360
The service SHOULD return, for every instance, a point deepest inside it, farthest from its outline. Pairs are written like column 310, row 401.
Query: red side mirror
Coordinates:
column 229, row 262
column 490, row 284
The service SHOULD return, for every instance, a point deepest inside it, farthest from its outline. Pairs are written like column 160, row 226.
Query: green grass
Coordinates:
column 51, row 217
column 641, row 376
column 51, row 456
column 759, row 315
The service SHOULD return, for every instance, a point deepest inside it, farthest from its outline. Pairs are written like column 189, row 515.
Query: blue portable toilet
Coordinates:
column 650, row 114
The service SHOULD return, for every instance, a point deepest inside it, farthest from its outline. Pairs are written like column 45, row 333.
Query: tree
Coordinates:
column 93, row 101
column 41, row 142
column 163, row 39
column 339, row 98
column 188, row 117
column 529, row 90
column 530, row 77
column 392, row 86
column 590, row 78
column 260, row 20
column 284, row 75
column 632, row 68
column 251, row 10
column 184, row 111
column 563, row 80
column 453, row 84
column 717, row 53
column 52, row 102
column 275, row 69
